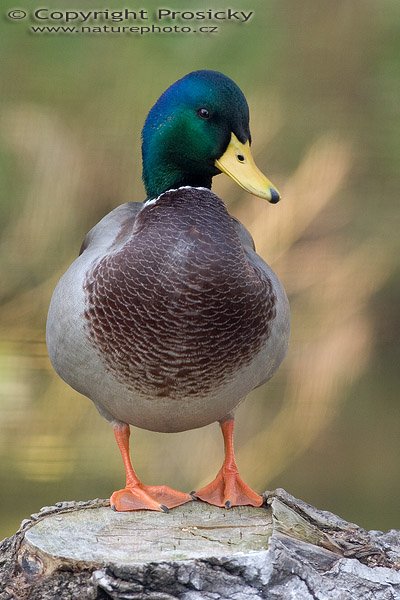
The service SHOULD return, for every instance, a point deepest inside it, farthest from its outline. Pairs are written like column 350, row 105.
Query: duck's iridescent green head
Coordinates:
column 198, row 128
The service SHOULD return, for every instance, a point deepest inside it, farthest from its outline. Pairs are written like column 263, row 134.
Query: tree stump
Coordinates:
column 286, row 549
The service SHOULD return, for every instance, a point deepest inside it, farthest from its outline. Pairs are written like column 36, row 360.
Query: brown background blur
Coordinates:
column 323, row 82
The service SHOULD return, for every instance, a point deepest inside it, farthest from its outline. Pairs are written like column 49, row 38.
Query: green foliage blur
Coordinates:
column 322, row 80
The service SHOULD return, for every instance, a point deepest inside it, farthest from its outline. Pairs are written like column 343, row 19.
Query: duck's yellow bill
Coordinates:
column 238, row 163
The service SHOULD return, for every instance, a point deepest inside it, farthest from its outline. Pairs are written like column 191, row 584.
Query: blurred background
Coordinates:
column 322, row 81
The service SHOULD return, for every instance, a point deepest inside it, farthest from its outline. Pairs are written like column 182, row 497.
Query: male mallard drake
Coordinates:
column 169, row 318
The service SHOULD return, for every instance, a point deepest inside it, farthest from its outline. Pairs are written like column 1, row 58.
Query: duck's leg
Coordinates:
column 228, row 489
column 136, row 495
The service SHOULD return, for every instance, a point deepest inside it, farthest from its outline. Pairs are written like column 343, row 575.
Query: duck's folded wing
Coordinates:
column 244, row 235
column 113, row 227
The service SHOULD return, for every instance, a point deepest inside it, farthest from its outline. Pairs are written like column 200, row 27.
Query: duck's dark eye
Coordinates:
column 203, row 113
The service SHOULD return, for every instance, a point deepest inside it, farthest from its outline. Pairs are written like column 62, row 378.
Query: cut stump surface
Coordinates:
column 101, row 536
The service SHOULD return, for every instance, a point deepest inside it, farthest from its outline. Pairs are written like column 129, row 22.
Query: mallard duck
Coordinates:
column 168, row 318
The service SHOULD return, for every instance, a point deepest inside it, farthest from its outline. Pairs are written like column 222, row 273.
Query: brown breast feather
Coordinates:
column 178, row 309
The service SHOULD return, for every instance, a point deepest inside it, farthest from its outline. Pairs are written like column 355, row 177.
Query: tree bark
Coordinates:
column 286, row 549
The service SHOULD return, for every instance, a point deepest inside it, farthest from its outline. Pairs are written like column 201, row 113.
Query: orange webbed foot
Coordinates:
column 147, row 497
column 228, row 489
column 135, row 495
